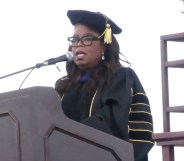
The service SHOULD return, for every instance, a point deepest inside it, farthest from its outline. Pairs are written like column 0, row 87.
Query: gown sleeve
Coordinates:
column 131, row 118
column 140, row 121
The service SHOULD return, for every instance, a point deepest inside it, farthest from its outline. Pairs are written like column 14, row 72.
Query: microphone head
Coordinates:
column 69, row 55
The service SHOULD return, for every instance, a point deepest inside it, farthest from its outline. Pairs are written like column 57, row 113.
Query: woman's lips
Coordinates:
column 80, row 56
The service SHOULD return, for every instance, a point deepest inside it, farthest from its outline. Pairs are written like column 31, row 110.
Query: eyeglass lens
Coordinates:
column 85, row 40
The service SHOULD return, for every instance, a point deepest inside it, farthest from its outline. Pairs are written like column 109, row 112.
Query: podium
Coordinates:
column 33, row 127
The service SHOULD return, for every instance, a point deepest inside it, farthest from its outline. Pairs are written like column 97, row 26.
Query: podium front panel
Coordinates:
column 34, row 128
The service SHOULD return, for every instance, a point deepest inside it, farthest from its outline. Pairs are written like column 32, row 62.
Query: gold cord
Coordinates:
column 91, row 106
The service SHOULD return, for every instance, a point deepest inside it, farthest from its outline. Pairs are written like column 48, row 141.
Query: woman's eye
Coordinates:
column 74, row 40
column 87, row 38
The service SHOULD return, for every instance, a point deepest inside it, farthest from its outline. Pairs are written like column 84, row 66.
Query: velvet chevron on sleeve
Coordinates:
column 140, row 121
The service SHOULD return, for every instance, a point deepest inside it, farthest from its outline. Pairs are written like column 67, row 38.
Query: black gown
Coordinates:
column 121, row 109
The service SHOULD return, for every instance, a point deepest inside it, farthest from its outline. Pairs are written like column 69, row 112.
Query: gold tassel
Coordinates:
column 108, row 34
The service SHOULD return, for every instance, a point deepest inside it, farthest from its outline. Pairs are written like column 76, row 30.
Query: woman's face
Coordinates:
column 86, row 55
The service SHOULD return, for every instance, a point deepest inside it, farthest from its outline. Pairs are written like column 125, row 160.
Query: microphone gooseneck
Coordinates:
column 67, row 57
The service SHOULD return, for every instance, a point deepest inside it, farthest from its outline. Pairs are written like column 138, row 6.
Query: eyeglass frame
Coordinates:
column 81, row 39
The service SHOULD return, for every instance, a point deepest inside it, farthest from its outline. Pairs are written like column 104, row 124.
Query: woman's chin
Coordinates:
column 82, row 66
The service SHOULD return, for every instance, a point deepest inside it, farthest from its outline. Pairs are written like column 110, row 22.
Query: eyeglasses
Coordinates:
column 85, row 40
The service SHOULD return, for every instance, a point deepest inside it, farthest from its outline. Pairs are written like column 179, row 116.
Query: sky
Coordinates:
column 32, row 31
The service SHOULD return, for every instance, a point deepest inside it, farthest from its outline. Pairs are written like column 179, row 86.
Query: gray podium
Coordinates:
column 33, row 127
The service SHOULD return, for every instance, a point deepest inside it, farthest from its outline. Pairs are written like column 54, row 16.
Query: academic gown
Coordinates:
column 121, row 109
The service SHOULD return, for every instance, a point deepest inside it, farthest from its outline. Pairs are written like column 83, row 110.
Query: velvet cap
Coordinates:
column 94, row 20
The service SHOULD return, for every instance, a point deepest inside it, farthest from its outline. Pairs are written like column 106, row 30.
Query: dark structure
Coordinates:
column 168, row 139
column 34, row 128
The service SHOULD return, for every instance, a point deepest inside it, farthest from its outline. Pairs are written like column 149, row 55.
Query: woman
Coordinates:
column 105, row 95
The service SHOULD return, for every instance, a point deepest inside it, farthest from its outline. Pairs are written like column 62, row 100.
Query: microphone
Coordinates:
column 67, row 57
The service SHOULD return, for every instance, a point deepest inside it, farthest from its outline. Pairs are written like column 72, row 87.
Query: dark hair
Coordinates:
column 100, row 76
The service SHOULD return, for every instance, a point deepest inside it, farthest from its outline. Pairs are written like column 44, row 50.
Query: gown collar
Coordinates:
column 84, row 76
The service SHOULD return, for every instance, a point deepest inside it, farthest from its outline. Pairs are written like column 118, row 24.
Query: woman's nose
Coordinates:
column 80, row 44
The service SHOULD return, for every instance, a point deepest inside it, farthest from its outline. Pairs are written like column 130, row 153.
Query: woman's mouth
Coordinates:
column 80, row 56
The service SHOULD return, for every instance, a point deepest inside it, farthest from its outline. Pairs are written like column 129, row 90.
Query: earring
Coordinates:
column 103, row 57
